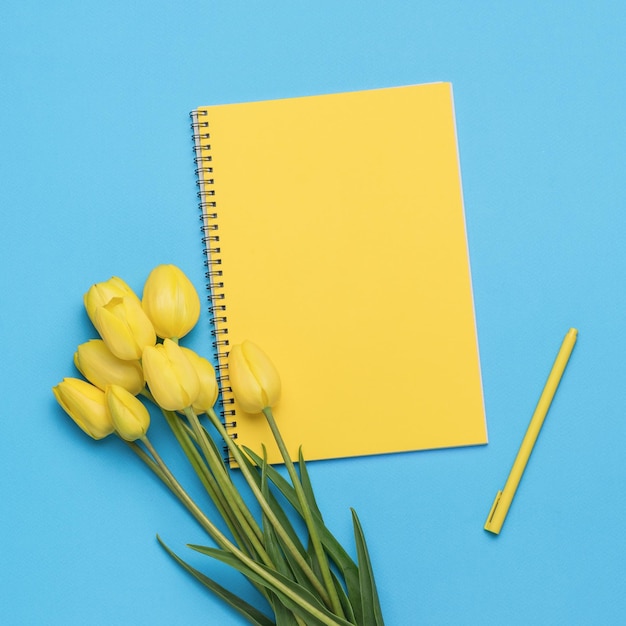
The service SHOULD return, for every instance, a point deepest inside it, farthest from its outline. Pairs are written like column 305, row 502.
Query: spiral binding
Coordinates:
column 207, row 204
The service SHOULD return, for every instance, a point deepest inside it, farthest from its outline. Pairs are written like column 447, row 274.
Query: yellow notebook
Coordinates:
column 335, row 240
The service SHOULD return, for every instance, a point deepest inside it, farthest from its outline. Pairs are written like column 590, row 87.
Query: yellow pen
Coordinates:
column 503, row 500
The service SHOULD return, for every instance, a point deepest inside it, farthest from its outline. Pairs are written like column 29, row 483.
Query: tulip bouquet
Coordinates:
column 286, row 550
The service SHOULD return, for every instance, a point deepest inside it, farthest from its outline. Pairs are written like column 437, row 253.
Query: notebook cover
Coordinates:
column 336, row 242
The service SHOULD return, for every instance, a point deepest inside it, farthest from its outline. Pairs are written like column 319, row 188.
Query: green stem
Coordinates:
column 225, row 496
column 147, row 460
column 271, row 516
column 244, row 516
column 306, row 513
column 222, row 541
column 186, row 441
column 182, row 495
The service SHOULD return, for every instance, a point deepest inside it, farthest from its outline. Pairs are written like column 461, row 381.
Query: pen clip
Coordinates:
column 494, row 506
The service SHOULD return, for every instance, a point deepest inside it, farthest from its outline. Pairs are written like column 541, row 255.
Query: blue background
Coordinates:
column 97, row 180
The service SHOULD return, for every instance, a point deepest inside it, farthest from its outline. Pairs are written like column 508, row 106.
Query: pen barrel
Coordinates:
column 505, row 497
column 541, row 410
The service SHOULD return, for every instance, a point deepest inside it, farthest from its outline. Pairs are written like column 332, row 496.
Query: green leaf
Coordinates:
column 305, row 480
column 349, row 571
column 294, row 568
column 270, row 539
column 345, row 601
column 253, row 615
column 283, row 485
column 284, row 561
column 348, row 564
column 284, row 617
column 274, row 504
column 372, row 614
column 307, row 606
column 333, row 547
column 299, row 576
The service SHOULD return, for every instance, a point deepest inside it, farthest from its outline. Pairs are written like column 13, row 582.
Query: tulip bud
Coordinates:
column 101, row 293
column 125, row 327
column 130, row 417
column 85, row 404
column 171, row 302
column 253, row 377
column 101, row 367
column 208, row 383
column 171, row 378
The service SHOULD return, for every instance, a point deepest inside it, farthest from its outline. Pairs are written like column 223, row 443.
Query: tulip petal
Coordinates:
column 170, row 301
column 172, row 379
column 124, row 327
column 101, row 367
column 85, row 404
column 130, row 417
column 102, row 293
column 208, row 383
column 246, row 388
column 184, row 371
column 264, row 371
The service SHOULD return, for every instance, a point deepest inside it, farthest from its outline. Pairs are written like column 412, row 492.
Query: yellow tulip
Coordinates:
column 253, row 378
column 125, row 327
column 101, row 293
column 208, row 383
column 101, row 367
column 85, row 404
column 172, row 379
column 171, row 301
column 130, row 417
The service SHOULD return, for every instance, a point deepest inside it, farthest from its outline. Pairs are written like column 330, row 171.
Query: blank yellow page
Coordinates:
column 344, row 257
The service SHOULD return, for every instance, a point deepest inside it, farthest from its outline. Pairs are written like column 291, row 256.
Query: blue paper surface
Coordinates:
column 97, row 180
